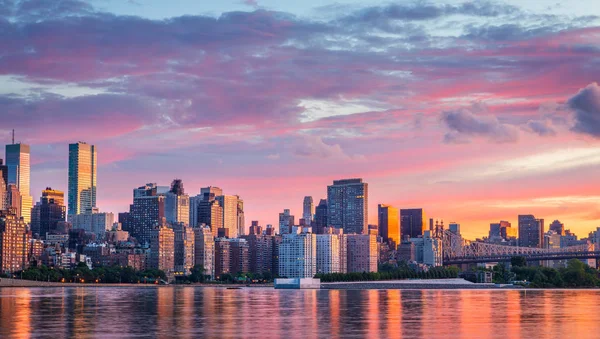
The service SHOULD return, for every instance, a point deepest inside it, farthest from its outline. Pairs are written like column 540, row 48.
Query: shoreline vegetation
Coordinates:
column 401, row 276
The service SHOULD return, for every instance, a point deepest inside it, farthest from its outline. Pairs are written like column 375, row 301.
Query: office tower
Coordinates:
column 260, row 249
column 557, row 227
column 177, row 204
column 331, row 251
column 362, row 253
column 241, row 222
column 146, row 212
column 412, row 222
column 210, row 213
column 389, row 224
column 286, row 221
column 454, row 228
column 308, row 210
column 298, row 254
column 320, row 221
column 93, row 221
column 82, row 177
column 48, row 212
column 194, row 203
column 184, row 248
column 531, row 231
column 229, row 203
column 18, row 164
column 14, row 243
column 347, row 202
column 255, row 228
column 204, row 249
column 162, row 249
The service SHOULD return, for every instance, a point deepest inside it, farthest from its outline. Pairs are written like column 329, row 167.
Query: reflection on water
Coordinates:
column 192, row 312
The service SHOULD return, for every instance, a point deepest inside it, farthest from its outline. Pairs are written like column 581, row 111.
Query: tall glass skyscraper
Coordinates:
column 82, row 177
column 389, row 223
column 347, row 202
column 19, row 173
column 412, row 222
column 308, row 210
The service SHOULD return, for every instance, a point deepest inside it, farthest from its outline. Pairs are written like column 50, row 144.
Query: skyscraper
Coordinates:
column 14, row 240
column 229, row 203
column 177, row 204
column 204, row 249
column 412, row 222
column 241, row 220
column 347, row 202
column 298, row 254
column 320, row 221
column 3, row 185
column 308, row 210
column 389, row 224
column 286, row 221
column 557, row 227
column 146, row 212
column 82, row 177
column 162, row 249
column 18, row 164
column 531, row 231
column 209, row 211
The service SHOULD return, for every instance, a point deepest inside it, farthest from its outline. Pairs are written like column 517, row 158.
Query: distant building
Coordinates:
column 308, row 210
column 557, row 227
column 412, row 222
column 19, row 174
column 454, row 228
column 286, row 222
column 48, row 212
column 204, row 249
column 82, row 177
column 332, row 251
column 531, row 231
column 230, row 206
column 231, row 256
column 177, row 204
column 347, row 203
column 298, row 254
column 362, row 253
column 260, row 252
column 146, row 212
column 406, row 251
column 14, row 243
column 222, row 257
column 162, row 249
column 3, row 185
column 93, row 221
column 13, row 200
column 320, row 220
column 241, row 220
column 184, row 248
column 389, row 224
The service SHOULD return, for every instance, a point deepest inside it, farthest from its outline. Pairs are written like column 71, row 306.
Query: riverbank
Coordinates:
column 6, row 282
column 412, row 284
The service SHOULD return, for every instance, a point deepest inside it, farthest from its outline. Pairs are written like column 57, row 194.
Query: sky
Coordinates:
column 475, row 111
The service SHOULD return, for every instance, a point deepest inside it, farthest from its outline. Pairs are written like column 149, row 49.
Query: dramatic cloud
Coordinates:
column 540, row 127
column 586, row 106
column 464, row 123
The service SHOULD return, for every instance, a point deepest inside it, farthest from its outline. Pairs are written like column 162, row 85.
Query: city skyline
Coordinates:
column 474, row 111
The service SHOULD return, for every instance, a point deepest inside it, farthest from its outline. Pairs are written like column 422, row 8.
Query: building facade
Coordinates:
column 308, row 210
column 14, row 243
column 286, row 222
column 347, row 205
column 320, row 220
column 93, row 221
column 82, row 177
column 177, row 204
column 48, row 212
column 162, row 249
column 184, row 248
column 298, row 254
column 332, row 251
column 19, row 174
column 229, row 203
column 389, row 224
column 362, row 252
column 413, row 222
column 531, row 231
column 204, row 250
column 146, row 212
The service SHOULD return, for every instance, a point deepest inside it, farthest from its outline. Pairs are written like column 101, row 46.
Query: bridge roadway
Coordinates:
column 529, row 257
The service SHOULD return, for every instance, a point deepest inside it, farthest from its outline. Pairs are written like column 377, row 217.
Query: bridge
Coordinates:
column 456, row 250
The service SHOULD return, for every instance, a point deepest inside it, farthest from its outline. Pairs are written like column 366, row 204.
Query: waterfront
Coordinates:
column 191, row 312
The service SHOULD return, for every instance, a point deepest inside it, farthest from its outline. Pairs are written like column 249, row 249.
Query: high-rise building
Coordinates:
column 261, row 253
column 210, row 213
column 362, row 253
column 3, row 186
column 229, row 203
column 308, row 210
column 286, row 221
column 412, row 222
column 13, row 200
column 184, row 248
column 82, row 177
column 18, row 164
column 298, row 254
column 14, row 243
column 255, row 228
column 93, row 221
column 241, row 221
column 347, row 202
column 389, row 224
column 162, row 249
column 320, row 220
column 331, row 251
column 177, row 204
column 204, row 249
column 231, row 256
column 531, row 231
column 48, row 212
column 222, row 257
column 557, row 227
column 146, row 212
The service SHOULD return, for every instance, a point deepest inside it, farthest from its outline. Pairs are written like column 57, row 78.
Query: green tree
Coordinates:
column 518, row 261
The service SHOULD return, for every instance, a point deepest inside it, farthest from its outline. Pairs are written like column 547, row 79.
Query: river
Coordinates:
column 195, row 312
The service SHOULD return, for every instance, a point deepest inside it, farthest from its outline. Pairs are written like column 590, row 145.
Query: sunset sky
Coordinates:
column 476, row 111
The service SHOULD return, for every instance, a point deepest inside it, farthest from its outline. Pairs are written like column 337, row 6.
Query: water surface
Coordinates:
column 195, row 312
